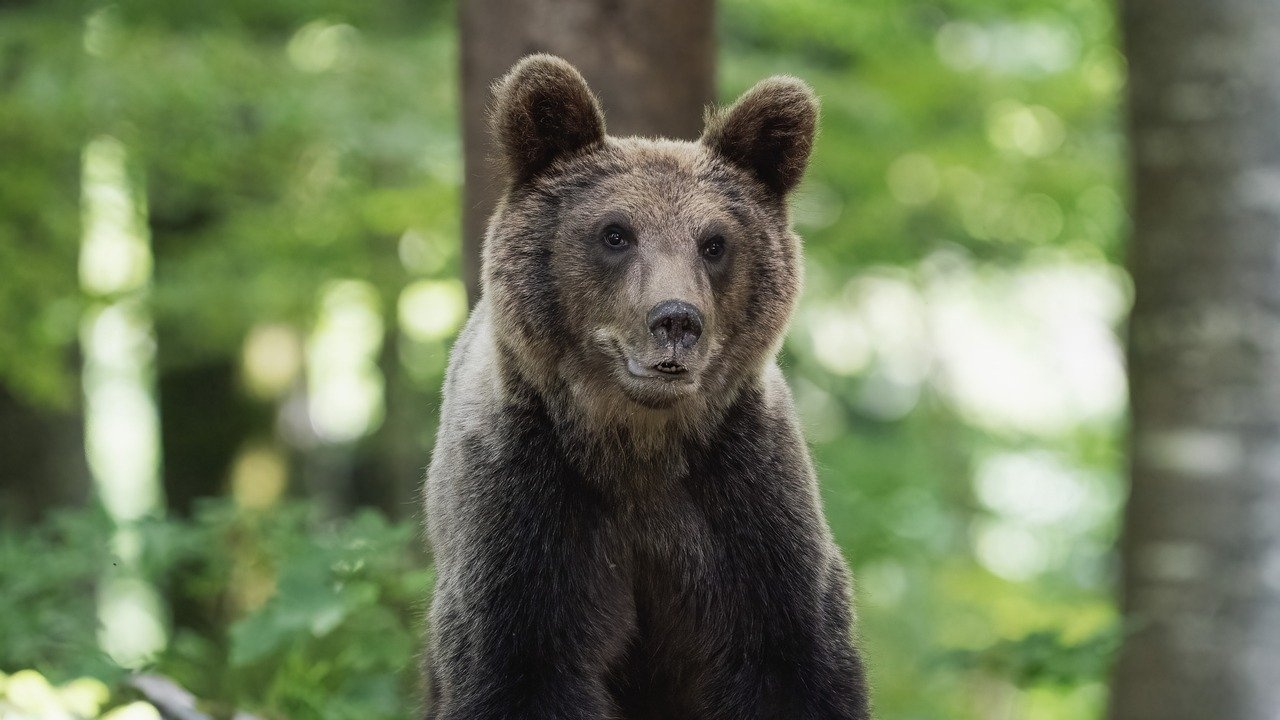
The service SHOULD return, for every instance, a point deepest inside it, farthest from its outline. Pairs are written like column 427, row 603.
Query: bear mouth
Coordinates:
column 667, row 369
column 656, row 382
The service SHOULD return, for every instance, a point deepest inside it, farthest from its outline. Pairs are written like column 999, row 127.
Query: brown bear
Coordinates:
column 624, row 516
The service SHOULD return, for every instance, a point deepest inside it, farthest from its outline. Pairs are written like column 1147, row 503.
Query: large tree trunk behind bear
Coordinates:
column 652, row 63
column 1202, row 538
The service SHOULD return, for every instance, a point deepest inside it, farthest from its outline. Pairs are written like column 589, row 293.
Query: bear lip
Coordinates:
column 668, row 370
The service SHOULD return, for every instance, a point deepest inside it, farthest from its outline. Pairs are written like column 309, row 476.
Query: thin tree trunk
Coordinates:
column 1202, row 539
column 205, row 421
column 42, row 462
column 651, row 62
column 205, row 418
column 390, row 464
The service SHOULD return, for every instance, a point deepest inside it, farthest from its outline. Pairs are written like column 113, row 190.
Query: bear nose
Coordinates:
column 675, row 322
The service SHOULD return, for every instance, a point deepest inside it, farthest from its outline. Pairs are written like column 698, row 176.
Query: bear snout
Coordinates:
column 675, row 324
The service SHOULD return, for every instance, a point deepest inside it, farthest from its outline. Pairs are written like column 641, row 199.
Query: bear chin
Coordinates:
column 657, row 394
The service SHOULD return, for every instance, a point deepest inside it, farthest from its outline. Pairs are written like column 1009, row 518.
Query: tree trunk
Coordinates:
column 42, row 462
column 205, row 421
column 1201, row 551
column 651, row 62
column 389, row 465
column 205, row 418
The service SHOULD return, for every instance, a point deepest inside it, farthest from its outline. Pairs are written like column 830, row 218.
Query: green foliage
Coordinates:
column 281, row 145
column 298, row 616
column 1043, row 657
column 42, row 120
column 48, row 610
column 339, row 633
column 303, row 617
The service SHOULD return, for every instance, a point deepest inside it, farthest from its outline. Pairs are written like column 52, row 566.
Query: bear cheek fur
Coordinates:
column 758, row 298
column 530, row 256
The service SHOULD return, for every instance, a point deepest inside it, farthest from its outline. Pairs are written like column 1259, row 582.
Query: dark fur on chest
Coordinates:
column 714, row 595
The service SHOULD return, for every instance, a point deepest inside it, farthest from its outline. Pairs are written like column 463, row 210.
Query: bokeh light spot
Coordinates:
column 432, row 309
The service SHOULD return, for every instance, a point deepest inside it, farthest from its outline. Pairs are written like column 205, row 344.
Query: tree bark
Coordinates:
column 205, row 421
column 1201, row 551
column 651, row 62
column 389, row 467
column 205, row 418
column 42, row 462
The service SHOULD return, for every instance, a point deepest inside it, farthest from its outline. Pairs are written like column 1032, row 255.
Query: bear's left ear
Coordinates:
column 768, row 131
column 542, row 110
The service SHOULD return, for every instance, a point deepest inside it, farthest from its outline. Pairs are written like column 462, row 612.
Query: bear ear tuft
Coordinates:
column 768, row 131
column 543, row 110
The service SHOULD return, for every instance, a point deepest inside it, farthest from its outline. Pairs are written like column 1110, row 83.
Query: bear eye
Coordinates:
column 614, row 237
column 713, row 249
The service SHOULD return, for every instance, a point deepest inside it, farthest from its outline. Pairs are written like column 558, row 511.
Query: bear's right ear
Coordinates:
column 543, row 110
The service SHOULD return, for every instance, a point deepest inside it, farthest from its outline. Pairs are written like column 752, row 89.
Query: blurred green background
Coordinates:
column 230, row 275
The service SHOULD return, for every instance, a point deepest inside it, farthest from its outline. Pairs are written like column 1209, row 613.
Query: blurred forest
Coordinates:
column 231, row 265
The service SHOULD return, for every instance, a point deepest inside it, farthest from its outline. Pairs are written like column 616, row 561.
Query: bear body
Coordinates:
column 623, row 513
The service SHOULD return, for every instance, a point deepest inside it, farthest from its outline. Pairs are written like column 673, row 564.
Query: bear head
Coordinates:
column 642, row 275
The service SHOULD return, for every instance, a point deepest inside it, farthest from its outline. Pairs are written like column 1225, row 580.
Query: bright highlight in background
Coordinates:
column 122, row 424
column 343, row 380
column 271, row 359
column 115, row 255
column 432, row 309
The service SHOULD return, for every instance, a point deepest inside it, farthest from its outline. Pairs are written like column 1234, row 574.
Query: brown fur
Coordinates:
column 613, row 541
column 768, row 131
column 543, row 110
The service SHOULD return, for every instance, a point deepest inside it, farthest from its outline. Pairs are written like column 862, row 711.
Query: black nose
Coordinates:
column 675, row 322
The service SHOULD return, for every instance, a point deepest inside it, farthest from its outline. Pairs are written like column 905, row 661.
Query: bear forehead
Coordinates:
column 651, row 180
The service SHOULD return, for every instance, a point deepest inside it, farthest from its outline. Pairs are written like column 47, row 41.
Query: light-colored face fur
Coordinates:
column 634, row 282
